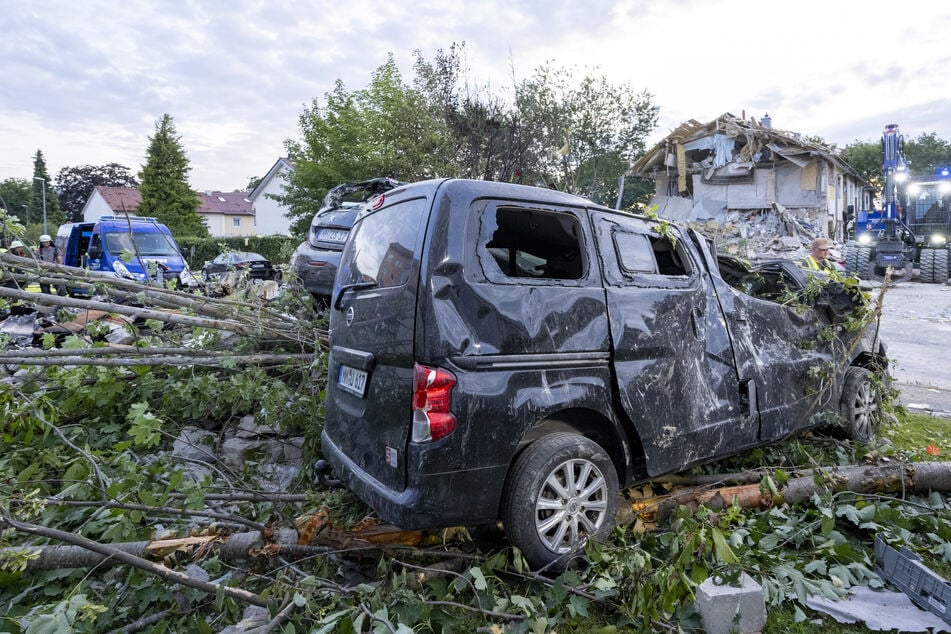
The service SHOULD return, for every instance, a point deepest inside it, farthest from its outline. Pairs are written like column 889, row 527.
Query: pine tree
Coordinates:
column 41, row 180
column 163, row 183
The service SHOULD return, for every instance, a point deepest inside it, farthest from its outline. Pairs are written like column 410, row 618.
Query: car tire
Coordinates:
column 562, row 490
column 861, row 404
column 204, row 275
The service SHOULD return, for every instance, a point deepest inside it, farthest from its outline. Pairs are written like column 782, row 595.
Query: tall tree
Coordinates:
column 75, row 185
column 927, row 154
column 483, row 132
column 584, row 132
column 384, row 129
column 16, row 194
column 866, row 159
column 43, row 191
column 166, row 194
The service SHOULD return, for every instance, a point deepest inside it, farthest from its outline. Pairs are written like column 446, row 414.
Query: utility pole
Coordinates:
column 43, row 180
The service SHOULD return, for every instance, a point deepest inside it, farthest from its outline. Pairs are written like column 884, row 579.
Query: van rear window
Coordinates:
column 382, row 245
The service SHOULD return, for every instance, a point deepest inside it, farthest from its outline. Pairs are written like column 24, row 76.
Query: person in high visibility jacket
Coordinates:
column 818, row 258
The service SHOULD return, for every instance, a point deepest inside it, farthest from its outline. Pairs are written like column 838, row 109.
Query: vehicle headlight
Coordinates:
column 937, row 238
column 865, row 239
column 123, row 271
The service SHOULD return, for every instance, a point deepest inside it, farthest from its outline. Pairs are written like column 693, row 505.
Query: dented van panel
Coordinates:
column 474, row 323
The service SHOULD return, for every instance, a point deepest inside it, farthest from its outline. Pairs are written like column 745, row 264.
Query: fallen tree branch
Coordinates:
column 108, row 551
column 86, row 279
column 162, row 510
column 197, row 359
column 909, row 477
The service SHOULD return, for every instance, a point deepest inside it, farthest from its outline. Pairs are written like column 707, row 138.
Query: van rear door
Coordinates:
column 370, row 371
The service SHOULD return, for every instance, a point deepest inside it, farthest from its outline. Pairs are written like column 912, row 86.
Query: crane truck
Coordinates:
column 901, row 237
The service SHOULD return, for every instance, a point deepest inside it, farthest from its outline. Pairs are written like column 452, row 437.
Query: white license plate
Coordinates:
column 332, row 235
column 352, row 380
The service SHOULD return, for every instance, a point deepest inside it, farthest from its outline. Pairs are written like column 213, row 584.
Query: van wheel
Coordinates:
column 861, row 404
column 562, row 490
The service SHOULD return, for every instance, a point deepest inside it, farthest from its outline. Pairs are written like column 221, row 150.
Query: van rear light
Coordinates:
column 432, row 389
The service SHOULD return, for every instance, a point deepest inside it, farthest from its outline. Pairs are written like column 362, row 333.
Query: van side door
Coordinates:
column 673, row 358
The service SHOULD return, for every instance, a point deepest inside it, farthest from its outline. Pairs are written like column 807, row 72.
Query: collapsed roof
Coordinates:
column 757, row 191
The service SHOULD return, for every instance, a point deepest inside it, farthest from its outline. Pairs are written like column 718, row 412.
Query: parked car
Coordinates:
column 256, row 265
column 502, row 352
column 315, row 260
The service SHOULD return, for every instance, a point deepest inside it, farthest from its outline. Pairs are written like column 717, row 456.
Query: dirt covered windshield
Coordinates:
column 145, row 243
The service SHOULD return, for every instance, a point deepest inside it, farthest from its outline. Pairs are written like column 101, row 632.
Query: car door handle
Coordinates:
column 696, row 320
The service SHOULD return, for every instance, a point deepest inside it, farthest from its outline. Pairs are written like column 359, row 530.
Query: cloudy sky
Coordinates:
column 86, row 80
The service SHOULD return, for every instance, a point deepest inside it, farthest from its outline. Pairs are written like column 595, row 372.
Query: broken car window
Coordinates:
column 639, row 253
column 529, row 243
column 634, row 252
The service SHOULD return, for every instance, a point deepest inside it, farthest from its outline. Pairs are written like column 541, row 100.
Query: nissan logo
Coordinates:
column 349, row 316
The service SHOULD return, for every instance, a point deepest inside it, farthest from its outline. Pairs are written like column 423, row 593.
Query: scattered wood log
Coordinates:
column 882, row 478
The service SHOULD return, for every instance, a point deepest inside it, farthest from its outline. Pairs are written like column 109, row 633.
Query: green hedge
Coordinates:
column 277, row 249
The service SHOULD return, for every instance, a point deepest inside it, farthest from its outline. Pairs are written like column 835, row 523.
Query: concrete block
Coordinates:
column 725, row 609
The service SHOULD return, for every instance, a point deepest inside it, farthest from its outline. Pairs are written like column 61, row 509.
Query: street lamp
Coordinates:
column 43, row 180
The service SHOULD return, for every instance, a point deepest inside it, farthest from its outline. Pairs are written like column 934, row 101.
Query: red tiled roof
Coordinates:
column 128, row 199
column 229, row 203
column 121, row 199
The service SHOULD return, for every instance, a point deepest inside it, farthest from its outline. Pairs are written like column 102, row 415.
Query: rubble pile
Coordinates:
column 763, row 234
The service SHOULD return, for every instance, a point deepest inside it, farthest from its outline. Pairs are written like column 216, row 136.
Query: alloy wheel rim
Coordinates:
column 866, row 408
column 571, row 505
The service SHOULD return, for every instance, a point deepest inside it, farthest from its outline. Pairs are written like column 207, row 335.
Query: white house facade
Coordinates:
column 269, row 214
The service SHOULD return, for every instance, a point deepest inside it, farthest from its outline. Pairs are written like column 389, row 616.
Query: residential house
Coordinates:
column 752, row 188
column 226, row 214
column 269, row 213
column 111, row 201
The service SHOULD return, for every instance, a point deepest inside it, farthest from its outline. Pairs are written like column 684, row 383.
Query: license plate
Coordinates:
column 352, row 380
column 332, row 235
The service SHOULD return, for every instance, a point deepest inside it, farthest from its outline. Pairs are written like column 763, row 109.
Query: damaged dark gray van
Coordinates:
column 502, row 352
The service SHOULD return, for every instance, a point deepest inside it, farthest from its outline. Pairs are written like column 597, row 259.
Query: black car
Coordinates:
column 315, row 260
column 256, row 265
column 528, row 352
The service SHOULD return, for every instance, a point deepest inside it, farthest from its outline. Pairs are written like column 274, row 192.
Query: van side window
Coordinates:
column 530, row 243
column 639, row 253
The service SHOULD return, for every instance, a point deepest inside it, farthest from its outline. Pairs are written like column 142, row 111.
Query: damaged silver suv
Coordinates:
column 315, row 260
column 501, row 352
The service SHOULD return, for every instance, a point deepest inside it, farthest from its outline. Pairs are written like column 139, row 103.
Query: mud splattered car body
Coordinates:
column 514, row 353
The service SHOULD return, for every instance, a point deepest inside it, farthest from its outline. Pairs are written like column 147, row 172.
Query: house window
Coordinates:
column 236, row 222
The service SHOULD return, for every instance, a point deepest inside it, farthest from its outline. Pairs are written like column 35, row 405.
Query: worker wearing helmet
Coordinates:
column 18, row 249
column 48, row 252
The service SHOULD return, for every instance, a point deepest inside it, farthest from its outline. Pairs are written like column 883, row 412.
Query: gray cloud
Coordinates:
column 86, row 81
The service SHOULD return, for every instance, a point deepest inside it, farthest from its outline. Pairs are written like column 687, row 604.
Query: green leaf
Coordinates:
column 817, row 566
column 723, row 552
column 478, row 578
column 798, row 615
column 144, row 427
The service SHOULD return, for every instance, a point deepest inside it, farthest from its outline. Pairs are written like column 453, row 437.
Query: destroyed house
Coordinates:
column 747, row 184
